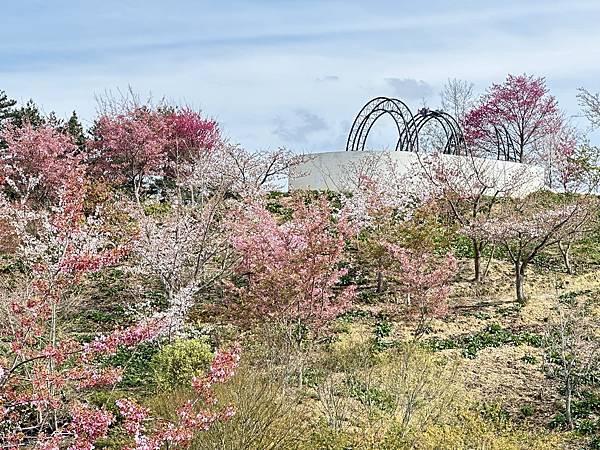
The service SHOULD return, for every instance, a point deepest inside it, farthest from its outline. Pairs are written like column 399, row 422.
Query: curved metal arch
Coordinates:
column 358, row 121
column 454, row 139
column 373, row 111
column 370, row 120
column 370, row 113
column 506, row 149
column 407, row 124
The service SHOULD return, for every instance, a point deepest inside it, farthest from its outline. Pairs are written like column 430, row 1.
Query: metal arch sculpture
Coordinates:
column 370, row 113
column 506, row 149
column 407, row 124
column 454, row 140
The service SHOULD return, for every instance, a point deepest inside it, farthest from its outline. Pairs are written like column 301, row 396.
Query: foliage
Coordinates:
column 179, row 362
column 135, row 364
column 491, row 336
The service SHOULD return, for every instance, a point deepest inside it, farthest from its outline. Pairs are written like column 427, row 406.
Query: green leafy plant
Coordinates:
column 491, row 336
column 177, row 363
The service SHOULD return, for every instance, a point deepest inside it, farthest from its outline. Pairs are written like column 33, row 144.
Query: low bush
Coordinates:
column 177, row 363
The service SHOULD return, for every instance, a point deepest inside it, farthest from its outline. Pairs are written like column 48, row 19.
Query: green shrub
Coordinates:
column 527, row 410
column 177, row 363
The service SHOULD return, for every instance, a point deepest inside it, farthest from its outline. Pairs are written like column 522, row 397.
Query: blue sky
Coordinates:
column 290, row 73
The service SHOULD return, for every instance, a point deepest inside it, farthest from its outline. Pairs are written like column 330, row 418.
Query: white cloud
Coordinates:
column 299, row 127
column 409, row 88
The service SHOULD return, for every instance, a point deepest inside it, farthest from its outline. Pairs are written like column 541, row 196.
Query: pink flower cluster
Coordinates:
column 291, row 269
column 424, row 279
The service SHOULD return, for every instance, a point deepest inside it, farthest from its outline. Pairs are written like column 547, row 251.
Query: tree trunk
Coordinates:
column 565, row 251
column 568, row 402
column 476, row 260
column 520, row 281
column 379, row 281
column 487, row 264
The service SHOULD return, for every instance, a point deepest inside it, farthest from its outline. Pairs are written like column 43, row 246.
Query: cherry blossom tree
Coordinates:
column 528, row 226
column 423, row 280
column 38, row 162
column 58, row 248
column 555, row 152
column 190, row 138
column 291, row 269
column 520, row 112
column 130, row 146
column 255, row 173
column 289, row 272
column 185, row 246
column 471, row 188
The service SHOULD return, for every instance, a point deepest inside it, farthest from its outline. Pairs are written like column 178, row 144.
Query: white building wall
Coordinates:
column 334, row 170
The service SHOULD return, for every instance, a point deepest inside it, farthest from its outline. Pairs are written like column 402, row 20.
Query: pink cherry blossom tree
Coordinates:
column 423, row 280
column 289, row 271
column 58, row 248
column 38, row 162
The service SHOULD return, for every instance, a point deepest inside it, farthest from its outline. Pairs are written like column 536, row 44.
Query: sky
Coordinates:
column 290, row 73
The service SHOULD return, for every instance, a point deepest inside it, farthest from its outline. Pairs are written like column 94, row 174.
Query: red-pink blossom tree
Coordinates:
column 130, row 146
column 189, row 136
column 520, row 111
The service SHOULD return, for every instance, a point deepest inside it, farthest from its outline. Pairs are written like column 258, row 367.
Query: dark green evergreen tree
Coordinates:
column 75, row 129
column 6, row 112
column 28, row 114
column 6, row 107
